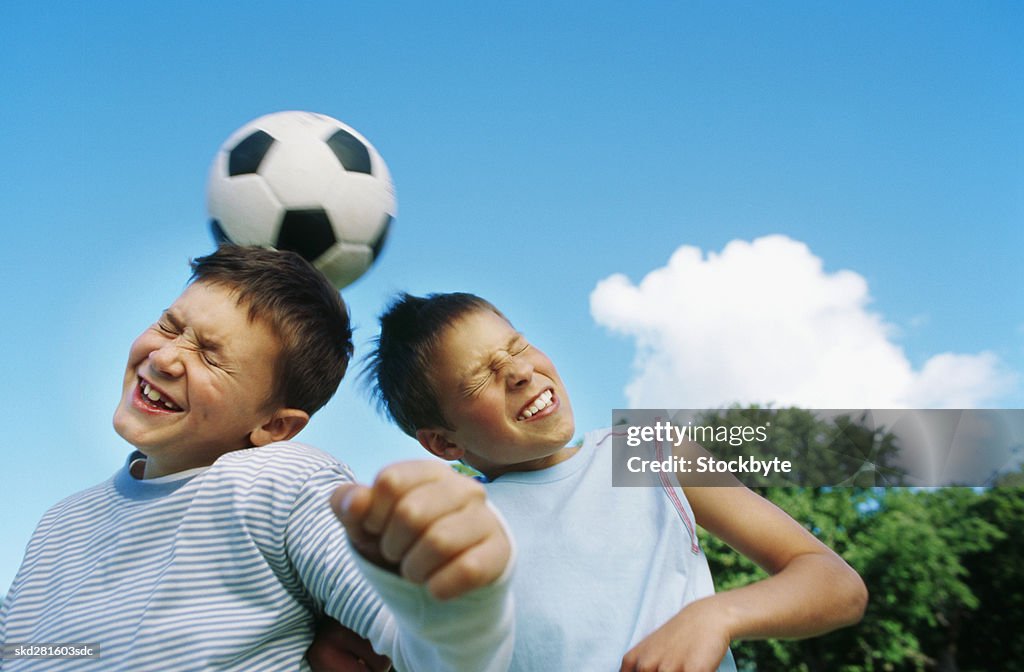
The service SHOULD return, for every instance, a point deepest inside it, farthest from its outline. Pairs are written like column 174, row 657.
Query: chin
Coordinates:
column 123, row 426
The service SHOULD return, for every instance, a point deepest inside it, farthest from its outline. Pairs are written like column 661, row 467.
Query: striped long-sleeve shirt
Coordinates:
column 228, row 569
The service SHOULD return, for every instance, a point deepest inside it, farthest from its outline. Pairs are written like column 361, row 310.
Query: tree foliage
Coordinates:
column 944, row 567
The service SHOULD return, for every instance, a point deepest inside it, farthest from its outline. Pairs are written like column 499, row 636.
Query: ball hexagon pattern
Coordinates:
column 304, row 182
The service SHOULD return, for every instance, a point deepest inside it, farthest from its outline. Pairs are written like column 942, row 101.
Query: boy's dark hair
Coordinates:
column 303, row 309
column 410, row 330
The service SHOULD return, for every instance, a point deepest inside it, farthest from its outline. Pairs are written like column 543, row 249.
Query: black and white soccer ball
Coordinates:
column 304, row 182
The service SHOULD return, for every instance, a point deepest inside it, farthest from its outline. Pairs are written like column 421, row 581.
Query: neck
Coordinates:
column 493, row 471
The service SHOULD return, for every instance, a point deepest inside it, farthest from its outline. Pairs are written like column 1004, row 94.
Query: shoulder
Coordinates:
column 271, row 482
column 72, row 516
column 284, row 472
column 285, row 458
column 83, row 499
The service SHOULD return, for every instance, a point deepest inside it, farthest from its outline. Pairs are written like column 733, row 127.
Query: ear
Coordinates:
column 436, row 441
column 283, row 425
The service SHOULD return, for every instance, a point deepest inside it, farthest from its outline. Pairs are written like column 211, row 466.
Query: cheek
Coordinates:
column 542, row 363
column 206, row 397
column 488, row 413
column 139, row 350
column 474, row 418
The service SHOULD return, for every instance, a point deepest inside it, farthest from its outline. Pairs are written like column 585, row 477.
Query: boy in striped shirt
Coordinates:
column 215, row 548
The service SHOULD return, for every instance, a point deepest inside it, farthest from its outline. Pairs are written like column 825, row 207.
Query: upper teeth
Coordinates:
column 153, row 395
column 538, row 404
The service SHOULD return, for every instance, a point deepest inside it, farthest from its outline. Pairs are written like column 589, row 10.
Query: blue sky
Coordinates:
column 845, row 177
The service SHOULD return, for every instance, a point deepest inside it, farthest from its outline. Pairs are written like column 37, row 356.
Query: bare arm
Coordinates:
column 811, row 590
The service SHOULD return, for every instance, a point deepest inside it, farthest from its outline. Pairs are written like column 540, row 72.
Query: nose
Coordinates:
column 519, row 373
column 166, row 360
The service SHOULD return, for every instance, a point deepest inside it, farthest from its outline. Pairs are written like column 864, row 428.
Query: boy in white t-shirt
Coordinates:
column 609, row 578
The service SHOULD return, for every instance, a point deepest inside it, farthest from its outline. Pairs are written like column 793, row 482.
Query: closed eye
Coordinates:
column 166, row 328
column 516, row 347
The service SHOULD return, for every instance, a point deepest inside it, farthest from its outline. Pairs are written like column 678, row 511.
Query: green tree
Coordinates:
column 925, row 555
column 991, row 636
column 842, row 451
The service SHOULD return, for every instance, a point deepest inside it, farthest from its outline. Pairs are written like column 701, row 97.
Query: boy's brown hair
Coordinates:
column 398, row 369
column 302, row 308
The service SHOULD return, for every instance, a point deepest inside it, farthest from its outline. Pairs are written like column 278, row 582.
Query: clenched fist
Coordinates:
column 428, row 523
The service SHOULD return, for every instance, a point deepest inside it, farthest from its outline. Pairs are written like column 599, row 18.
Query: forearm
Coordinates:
column 814, row 594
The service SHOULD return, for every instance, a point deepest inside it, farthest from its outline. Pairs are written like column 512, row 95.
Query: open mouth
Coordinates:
column 155, row 399
column 544, row 400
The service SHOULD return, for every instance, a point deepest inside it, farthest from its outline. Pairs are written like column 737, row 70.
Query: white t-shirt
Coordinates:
column 600, row 567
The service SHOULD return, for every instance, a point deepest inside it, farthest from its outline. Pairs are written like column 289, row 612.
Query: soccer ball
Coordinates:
column 304, row 182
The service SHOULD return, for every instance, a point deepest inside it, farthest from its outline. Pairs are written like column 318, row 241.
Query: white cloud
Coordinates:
column 763, row 322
